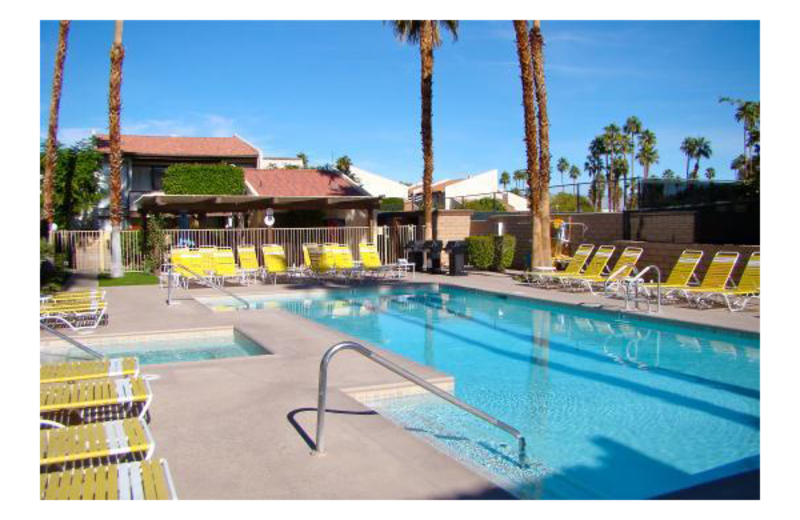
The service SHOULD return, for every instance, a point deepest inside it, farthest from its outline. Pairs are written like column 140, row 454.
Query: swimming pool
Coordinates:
column 612, row 406
column 162, row 347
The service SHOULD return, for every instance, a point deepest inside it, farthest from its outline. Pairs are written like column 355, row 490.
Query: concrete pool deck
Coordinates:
column 243, row 428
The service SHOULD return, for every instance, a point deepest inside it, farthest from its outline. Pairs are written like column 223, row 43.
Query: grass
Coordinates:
column 105, row 280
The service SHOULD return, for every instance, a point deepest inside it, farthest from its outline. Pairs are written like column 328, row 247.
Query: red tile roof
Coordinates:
column 157, row 145
column 300, row 183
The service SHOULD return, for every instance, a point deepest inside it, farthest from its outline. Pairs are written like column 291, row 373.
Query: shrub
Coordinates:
column 485, row 204
column 392, row 204
column 504, row 247
column 204, row 179
column 156, row 245
column 491, row 252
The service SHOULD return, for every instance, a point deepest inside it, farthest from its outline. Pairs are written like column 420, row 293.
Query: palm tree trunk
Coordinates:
column 531, row 140
column 543, row 180
column 51, row 152
column 115, row 155
column 426, row 59
column 688, row 160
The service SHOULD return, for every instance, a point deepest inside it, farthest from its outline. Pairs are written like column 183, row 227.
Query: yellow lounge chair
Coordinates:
column 323, row 259
column 145, row 480
column 74, row 296
column 715, row 280
column 682, row 274
column 596, row 267
column 344, row 263
column 225, row 265
column 116, row 440
column 59, row 400
column 275, row 263
column 371, row 262
column 77, row 315
column 625, row 266
column 736, row 298
column 95, row 369
column 248, row 263
column 575, row 266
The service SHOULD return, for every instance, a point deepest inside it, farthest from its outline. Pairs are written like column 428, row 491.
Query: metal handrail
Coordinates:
column 634, row 282
column 202, row 280
column 68, row 339
column 373, row 356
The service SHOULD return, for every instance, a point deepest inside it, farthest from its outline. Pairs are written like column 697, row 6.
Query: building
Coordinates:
column 453, row 193
column 145, row 158
column 379, row 186
column 272, row 163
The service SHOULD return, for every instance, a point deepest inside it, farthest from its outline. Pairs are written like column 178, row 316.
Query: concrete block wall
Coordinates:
column 451, row 225
column 674, row 227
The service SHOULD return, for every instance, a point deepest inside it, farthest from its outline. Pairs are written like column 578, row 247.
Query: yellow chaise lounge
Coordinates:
column 144, row 480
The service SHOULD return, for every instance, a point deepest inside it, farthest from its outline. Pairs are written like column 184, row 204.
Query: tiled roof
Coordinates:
column 181, row 146
column 300, row 183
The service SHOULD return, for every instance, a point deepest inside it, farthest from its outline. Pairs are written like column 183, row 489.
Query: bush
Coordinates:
column 204, row 179
column 485, row 204
column 491, row 252
column 392, row 204
column 480, row 252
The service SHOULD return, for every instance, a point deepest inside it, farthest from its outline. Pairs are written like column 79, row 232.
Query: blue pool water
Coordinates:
column 611, row 407
column 173, row 348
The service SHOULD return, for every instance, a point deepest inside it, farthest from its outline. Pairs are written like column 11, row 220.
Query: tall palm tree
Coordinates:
column 562, row 167
column 689, row 147
column 647, row 155
column 749, row 114
column 115, row 149
column 611, row 142
column 531, row 137
column 633, row 129
column 51, row 151
column 668, row 174
column 520, row 176
column 574, row 174
column 740, row 165
column 711, row 173
column 702, row 150
column 426, row 34
column 505, row 179
column 542, row 182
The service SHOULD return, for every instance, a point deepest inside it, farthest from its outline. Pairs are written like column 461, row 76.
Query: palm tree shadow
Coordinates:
column 302, row 432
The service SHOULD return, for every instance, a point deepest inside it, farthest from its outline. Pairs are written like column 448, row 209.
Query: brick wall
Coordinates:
column 451, row 225
column 601, row 227
column 675, row 227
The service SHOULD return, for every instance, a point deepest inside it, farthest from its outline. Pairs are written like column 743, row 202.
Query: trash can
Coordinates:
column 433, row 253
column 457, row 251
column 415, row 254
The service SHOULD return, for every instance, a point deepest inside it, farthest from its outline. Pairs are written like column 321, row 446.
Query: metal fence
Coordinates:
column 90, row 251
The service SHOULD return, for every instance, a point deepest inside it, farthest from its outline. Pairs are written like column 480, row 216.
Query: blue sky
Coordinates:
column 335, row 88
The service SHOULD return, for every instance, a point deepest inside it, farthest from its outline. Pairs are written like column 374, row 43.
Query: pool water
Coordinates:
column 169, row 347
column 612, row 406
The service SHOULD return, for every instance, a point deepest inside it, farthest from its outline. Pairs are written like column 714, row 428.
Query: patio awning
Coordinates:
column 161, row 203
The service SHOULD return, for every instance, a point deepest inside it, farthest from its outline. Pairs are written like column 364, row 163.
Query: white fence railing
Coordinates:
column 90, row 251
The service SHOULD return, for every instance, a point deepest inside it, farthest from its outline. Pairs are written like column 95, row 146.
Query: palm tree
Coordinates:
column 711, row 173
column 51, row 153
column 748, row 113
column 574, row 174
column 343, row 164
column 633, row 128
column 115, row 150
column 520, row 176
column 740, row 165
column 648, row 155
column 303, row 157
column 689, row 147
column 505, row 178
column 542, row 181
column 531, row 138
column 611, row 142
column 702, row 150
column 668, row 174
column 426, row 34
column 563, row 167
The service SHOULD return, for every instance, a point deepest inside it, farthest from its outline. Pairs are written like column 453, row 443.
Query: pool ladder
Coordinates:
column 633, row 286
column 393, row 367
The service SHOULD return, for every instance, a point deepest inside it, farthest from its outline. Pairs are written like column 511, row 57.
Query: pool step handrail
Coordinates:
column 633, row 284
column 319, row 446
column 68, row 339
column 200, row 279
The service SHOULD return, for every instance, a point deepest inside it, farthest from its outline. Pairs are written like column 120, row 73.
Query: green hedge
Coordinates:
column 392, row 204
column 204, row 179
column 491, row 252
